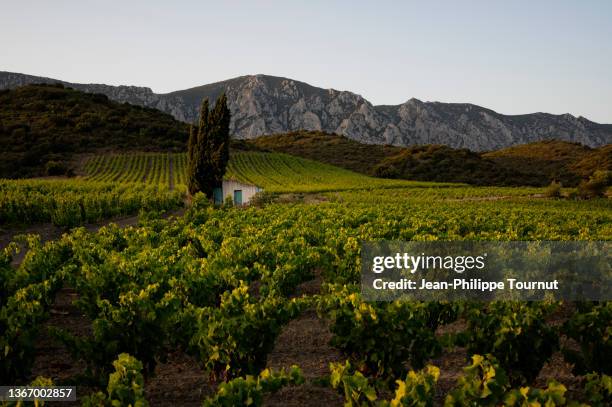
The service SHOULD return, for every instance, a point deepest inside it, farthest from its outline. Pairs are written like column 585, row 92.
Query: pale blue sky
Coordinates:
column 511, row 56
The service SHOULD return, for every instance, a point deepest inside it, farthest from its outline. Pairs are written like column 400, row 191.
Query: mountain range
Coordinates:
column 262, row 105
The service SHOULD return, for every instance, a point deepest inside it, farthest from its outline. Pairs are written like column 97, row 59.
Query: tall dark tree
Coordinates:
column 208, row 149
column 195, row 151
column 219, row 138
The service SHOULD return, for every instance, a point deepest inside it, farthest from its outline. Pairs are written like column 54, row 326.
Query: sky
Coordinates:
column 513, row 57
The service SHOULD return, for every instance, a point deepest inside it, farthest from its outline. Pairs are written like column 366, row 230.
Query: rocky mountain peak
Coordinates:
column 264, row 104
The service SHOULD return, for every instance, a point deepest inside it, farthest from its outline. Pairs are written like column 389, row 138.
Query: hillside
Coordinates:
column 41, row 124
column 561, row 161
column 263, row 104
column 328, row 148
column 531, row 164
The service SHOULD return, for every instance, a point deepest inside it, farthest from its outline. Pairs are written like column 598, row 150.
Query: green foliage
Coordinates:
column 517, row 334
column 125, row 386
column 381, row 337
column 592, row 330
column 418, row 390
column 596, row 186
column 553, row 395
column 57, row 168
column 249, row 391
column 43, row 123
column 26, row 295
column 484, row 383
column 208, row 148
column 598, row 389
column 139, row 323
column 275, row 173
column 326, row 148
column 234, row 339
column 219, row 138
column 218, row 282
column 19, row 320
column 228, row 202
column 553, row 190
column 263, row 198
column 355, row 386
column 541, row 162
column 281, row 173
column 445, row 164
column 160, row 170
column 529, row 164
column 72, row 203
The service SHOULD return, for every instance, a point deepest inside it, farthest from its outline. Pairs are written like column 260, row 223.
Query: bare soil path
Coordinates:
column 305, row 342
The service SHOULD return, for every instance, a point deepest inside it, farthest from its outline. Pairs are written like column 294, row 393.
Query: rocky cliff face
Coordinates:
column 265, row 104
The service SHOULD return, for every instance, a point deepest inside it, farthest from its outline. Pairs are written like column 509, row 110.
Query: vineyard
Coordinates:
column 164, row 170
column 221, row 286
column 123, row 184
column 273, row 172
column 74, row 202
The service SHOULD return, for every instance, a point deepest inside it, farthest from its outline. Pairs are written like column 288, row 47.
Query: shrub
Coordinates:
column 386, row 171
column 516, row 333
column 355, row 386
column 380, row 337
column 418, row 390
column 56, row 168
column 125, row 385
column 598, row 389
column 593, row 332
column 484, row 383
column 263, row 198
column 596, row 186
column 553, row 190
column 249, row 391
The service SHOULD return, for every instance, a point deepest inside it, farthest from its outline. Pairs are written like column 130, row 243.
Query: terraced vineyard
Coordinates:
column 162, row 169
column 274, row 172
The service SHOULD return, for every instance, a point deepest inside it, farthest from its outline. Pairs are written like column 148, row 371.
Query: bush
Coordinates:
column 249, row 391
column 125, row 385
column 484, row 382
column 598, row 389
column 381, row 337
column 596, row 186
column 516, row 333
column 263, row 198
column 57, row 168
column 553, row 190
column 591, row 329
column 386, row 171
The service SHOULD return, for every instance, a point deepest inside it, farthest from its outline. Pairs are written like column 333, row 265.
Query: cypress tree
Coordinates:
column 208, row 148
column 219, row 139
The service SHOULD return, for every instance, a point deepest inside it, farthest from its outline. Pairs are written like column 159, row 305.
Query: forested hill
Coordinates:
column 43, row 126
column 535, row 164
